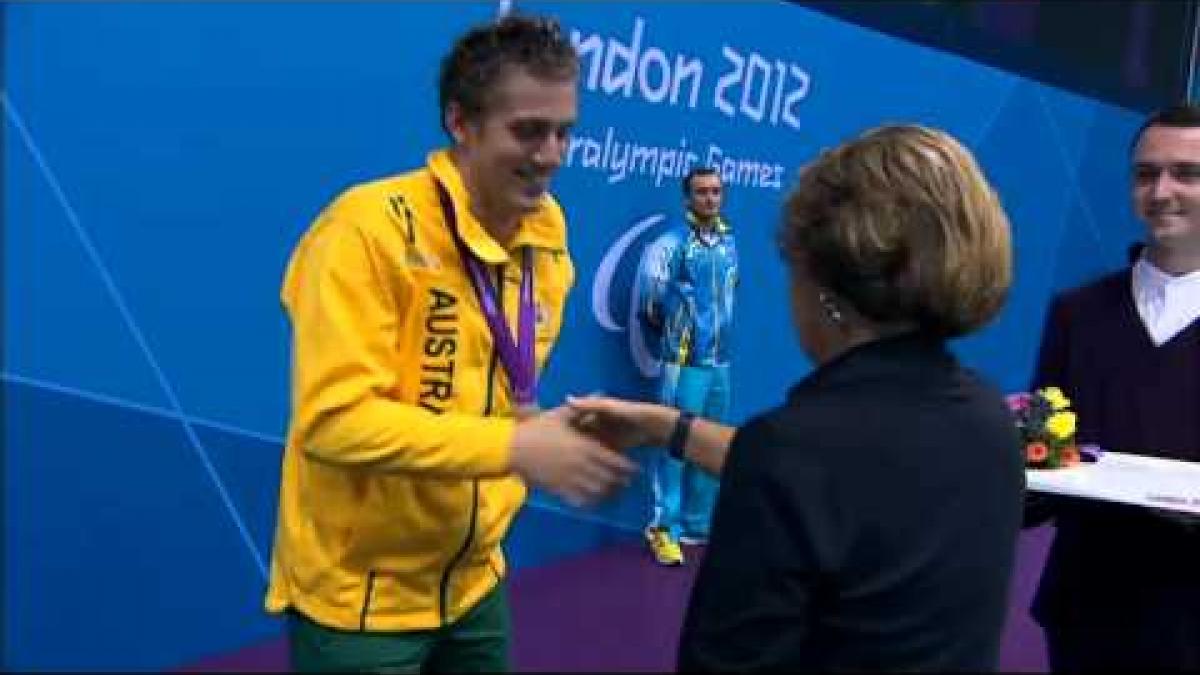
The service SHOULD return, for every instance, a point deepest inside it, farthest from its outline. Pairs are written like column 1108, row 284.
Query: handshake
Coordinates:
column 577, row 450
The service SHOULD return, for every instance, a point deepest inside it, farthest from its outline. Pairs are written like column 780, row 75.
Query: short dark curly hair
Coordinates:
column 480, row 58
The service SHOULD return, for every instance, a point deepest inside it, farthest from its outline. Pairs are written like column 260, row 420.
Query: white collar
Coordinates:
column 1166, row 304
column 1147, row 275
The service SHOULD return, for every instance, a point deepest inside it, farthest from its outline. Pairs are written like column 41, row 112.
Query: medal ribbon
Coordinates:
column 517, row 358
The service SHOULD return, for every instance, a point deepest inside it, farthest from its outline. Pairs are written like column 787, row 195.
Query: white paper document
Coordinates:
column 1129, row 479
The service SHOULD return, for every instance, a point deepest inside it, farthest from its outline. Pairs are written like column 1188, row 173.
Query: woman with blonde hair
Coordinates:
column 870, row 521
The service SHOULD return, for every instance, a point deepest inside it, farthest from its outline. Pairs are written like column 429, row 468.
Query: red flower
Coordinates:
column 1036, row 452
column 1069, row 456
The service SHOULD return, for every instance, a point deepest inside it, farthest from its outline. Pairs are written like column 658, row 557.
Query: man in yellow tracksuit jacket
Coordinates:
column 414, row 424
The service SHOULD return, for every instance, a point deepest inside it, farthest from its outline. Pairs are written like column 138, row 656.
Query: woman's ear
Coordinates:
column 806, row 315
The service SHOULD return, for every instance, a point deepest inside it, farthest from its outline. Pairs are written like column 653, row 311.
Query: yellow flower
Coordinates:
column 1061, row 425
column 1056, row 398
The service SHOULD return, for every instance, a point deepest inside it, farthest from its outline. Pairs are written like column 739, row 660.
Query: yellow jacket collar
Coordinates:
column 541, row 229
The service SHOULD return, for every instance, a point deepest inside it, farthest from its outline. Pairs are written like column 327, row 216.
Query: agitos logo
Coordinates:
column 602, row 290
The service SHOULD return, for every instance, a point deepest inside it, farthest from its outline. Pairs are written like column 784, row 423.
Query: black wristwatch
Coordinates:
column 679, row 435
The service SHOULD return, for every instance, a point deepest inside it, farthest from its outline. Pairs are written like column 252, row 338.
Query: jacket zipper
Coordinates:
column 444, row 586
column 362, row 617
column 718, row 300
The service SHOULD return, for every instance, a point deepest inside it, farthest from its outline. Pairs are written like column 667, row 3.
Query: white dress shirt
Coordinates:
column 1167, row 304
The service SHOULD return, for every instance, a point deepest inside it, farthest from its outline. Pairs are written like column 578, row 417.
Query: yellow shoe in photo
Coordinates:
column 665, row 549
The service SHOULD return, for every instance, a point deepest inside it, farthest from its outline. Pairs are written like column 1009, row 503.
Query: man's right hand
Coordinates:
column 550, row 452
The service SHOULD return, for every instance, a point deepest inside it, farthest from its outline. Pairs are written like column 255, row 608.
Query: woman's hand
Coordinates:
column 621, row 424
column 549, row 450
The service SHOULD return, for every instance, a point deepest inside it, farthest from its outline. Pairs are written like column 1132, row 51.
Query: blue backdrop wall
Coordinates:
column 160, row 160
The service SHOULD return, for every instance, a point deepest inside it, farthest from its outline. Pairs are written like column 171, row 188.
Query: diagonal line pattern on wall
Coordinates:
column 105, row 399
column 986, row 130
column 1070, row 169
column 127, row 316
column 116, row 402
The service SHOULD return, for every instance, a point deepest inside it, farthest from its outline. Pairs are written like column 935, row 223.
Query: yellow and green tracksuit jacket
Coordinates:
column 395, row 491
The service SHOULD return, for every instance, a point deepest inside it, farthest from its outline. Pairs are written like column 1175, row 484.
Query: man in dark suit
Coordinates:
column 1121, row 588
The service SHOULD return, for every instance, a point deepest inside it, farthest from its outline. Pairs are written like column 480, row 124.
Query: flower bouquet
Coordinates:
column 1047, row 428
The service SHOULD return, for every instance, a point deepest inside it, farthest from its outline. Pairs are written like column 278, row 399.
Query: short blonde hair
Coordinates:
column 902, row 225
